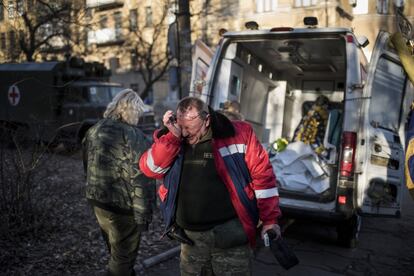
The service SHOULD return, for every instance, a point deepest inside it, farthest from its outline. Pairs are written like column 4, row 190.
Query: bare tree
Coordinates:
column 42, row 25
column 24, row 168
column 149, row 46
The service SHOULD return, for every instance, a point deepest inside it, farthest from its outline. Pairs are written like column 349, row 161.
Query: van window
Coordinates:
column 387, row 92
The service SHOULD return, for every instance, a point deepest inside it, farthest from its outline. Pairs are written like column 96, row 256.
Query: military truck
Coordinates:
column 56, row 101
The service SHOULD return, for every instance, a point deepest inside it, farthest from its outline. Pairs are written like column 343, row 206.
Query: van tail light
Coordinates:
column 348, row 154
column 342, row 199
column 349, row 39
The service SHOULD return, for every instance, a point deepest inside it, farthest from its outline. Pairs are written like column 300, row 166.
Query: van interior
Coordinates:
column 291, row 88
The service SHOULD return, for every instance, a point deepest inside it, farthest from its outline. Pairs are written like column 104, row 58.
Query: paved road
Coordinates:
column 386, row 248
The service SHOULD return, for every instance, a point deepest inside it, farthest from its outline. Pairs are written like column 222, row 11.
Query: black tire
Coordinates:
column 348, row 231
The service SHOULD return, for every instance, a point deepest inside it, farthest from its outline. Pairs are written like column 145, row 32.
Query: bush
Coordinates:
column 23, row 167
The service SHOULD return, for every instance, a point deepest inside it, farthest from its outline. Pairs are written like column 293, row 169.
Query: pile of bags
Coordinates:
column 303, row 164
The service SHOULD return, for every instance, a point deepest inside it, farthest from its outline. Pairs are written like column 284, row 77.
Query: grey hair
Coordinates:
column 126, row 106
column 187, row 103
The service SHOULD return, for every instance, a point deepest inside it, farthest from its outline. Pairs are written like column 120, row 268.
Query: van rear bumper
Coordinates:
column 323, row 216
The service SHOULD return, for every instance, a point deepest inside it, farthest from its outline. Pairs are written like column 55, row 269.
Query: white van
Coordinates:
column 343, row 118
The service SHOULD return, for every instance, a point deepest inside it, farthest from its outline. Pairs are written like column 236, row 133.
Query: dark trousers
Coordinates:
column 122, row 238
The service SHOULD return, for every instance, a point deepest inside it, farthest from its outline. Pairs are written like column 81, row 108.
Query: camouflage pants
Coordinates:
column 205, row 259
column 122, row 237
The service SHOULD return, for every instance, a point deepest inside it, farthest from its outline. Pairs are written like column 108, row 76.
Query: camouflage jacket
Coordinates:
column 111, row 150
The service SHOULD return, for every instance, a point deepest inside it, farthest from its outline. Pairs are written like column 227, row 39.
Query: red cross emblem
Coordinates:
column 14, row 95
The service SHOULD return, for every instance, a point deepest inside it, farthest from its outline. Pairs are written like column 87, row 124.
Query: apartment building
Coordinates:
column 130, row 36
column 117, row 33
column 34, row 30
column 366, row 17
column 9, row 30
column 372, row 16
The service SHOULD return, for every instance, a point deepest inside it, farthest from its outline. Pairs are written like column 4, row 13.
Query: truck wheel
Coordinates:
column 348, row 231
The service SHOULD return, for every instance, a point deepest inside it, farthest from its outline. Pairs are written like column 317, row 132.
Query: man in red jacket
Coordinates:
column 218, row 184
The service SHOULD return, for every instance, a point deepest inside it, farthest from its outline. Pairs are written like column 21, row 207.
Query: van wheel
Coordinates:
column 348, row 232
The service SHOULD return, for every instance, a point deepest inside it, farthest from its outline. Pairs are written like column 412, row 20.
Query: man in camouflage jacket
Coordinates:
column 121, row 196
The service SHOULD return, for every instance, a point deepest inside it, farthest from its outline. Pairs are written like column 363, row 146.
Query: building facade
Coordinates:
column 366, row 17
column 130, row 36
column 33, row 30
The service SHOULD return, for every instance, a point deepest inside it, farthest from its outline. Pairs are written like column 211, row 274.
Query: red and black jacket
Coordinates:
column 241, row 162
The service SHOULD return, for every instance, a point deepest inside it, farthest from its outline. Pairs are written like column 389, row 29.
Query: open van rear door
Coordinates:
column 201, row 62
column 380, row 176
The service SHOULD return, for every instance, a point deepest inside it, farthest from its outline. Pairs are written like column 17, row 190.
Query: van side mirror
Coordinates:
column 362, row 41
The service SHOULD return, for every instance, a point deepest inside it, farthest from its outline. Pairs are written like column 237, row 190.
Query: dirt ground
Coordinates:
column 67, row 239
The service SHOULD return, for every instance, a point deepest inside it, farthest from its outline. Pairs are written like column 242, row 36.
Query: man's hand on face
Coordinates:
column 171, row 123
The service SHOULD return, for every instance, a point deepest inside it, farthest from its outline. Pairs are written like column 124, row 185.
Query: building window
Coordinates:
column 305, row 3
column 86, row 37
column 399, row 3
column 20, row 7
column 133, row 59
column 133, row 20
column 12, row 41
column 103, row 21
column 118, row 25
column 148, row 17
column 30, row 3
column 114, row 64
column 266, row 5
column 10, row 9
column 88, row 15
column 361, row 7
column 46, row 30
column 3, row 41
column 1, row 12
column 225, row 7
column 382, row 6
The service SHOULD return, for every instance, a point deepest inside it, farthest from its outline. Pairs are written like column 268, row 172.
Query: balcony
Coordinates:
column 105, row 37
column 55, row 45
column 104, row 4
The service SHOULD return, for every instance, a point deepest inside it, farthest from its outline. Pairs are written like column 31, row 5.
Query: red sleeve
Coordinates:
column 156, row 161
column 263, row 179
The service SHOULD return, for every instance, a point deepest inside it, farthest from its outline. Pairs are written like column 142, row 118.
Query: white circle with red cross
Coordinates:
column 14, row 95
